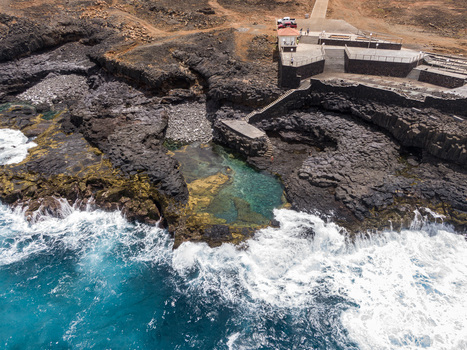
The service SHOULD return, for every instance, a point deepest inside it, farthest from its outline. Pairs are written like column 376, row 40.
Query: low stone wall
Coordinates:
column 391, row 69
column 352, row 43
column 245, row 145
column 446, row 80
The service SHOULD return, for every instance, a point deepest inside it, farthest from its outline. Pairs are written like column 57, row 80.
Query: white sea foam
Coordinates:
column 398, row 290
column 409, row 289
column 85, row 231
column 14, row 146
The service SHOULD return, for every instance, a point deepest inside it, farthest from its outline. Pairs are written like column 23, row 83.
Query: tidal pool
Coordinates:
column 244, row 194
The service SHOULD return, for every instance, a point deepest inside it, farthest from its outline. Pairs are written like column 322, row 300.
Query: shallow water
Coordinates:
column 261, row 191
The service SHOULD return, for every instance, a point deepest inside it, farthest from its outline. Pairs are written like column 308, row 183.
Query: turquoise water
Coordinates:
column 91, row 280
column 94, row 281
column 261, row 191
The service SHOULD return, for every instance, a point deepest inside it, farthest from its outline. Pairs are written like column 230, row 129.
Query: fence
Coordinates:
column 378, row 37
column 383, row 58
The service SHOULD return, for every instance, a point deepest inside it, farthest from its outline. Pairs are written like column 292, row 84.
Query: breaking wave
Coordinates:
column 91, row 279
column 14, row 146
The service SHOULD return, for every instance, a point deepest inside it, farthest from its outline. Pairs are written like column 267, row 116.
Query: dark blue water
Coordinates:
column 93, row 281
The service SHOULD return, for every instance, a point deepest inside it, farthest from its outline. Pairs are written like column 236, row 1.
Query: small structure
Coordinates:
column 287, row 39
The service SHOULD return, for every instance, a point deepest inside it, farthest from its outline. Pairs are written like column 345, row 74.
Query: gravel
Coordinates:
column 56, row 89
column 188, row 123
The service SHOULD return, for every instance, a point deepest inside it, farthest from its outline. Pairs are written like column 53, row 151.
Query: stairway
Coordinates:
column 288, row 93
column 334, row 60
column 414, row 74
column 270, row 150
column 303, row 86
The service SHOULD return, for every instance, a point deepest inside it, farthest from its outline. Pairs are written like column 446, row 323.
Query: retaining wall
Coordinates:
column 342, row 42
column 446, row 80
column 424, row 132
column 290, row 76
column 240, row 142
column 391, row 69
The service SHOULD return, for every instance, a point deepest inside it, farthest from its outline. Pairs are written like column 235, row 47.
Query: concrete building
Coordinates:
column 287, row 39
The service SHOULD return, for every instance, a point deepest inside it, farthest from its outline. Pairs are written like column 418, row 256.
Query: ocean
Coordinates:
column 92, row 280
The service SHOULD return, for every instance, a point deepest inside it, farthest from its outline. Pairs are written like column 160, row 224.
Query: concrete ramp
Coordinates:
column 334, row 60
column 243, row 128
column 320, row 9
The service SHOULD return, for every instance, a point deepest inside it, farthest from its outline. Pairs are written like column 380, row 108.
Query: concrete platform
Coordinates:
column 305, row 54
column 329, row 25
column 243, row 128
column 381, row 55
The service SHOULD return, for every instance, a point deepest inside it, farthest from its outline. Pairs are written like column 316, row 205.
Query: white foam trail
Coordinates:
column 76, row 230
column 409, row 288
column 14, row 146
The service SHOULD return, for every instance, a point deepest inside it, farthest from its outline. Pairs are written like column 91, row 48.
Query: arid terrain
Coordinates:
column 438, row 26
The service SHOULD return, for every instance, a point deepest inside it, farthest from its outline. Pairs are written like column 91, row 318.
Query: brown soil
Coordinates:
column 433, row 26
column 438, row 26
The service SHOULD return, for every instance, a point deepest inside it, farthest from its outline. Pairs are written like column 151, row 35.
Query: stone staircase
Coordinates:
column 270, row 150
column 288, row 93
column 305, row 84
column 414, row 74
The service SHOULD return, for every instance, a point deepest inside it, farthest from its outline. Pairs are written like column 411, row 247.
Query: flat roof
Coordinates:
column 382, row 52
column 242, row 127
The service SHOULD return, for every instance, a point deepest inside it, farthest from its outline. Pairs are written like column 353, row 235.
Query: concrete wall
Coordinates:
column 311, row 69
column 240, row 142
column 340, row 42
column 434, row 78
column 391, row 69
column 290, row 76
column 439, row 137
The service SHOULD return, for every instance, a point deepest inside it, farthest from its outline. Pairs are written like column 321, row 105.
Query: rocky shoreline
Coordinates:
column 102, row 113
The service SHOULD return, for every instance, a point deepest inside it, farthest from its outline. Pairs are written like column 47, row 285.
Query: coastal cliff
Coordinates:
column 97, row 104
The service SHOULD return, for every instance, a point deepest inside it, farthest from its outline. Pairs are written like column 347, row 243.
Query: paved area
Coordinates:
column 320, row 9
column 410, row 88
column 305, row 54
column 317, row 25
column 243, row 128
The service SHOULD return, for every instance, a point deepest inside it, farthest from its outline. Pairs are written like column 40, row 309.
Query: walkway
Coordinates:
column 320, row 9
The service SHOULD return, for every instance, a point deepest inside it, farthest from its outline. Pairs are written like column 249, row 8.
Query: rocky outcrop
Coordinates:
column 370, row 178
column 65, row 167
column 25, row 36
column 429, row 129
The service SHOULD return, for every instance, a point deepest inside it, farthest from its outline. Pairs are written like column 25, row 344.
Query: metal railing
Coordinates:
column 300, row 60
column 373, row 36
column 376, row 56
